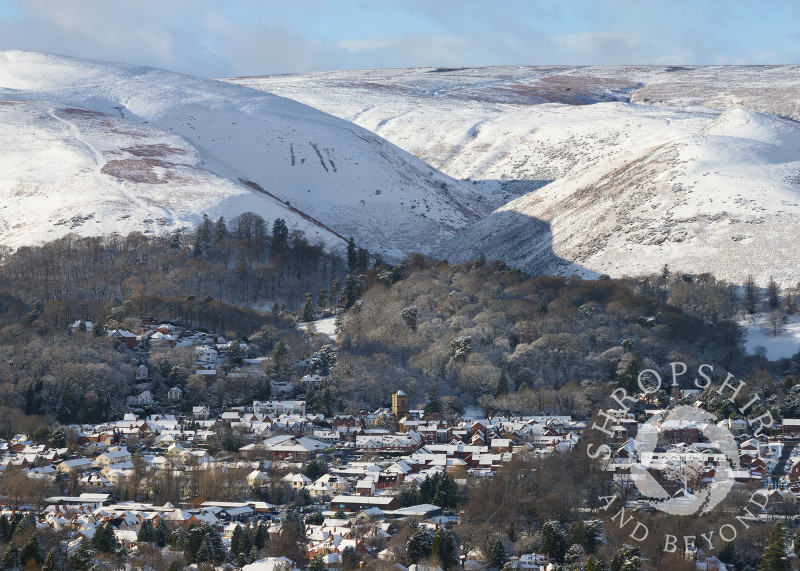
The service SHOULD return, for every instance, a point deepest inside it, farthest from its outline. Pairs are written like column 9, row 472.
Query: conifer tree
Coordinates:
column 236, row 540
column 501, row 388
column 11, row 557
column 162, row 532
column 434, row 404
column 5, row 528
column 53, row 561
column 308, row 308
column 352, row 256
column 147, row 533
column 351, row 291
column 31, row 551
column 775, row 557
column 495, row 552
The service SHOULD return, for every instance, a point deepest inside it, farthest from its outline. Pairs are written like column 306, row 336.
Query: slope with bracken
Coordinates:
column 95, row 147
column 617, row 169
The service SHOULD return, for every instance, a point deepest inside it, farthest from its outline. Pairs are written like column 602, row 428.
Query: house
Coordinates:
column 123, row 336
column 201, row 412
column 142, row 373
column 81, row 325
column 358, row 503
column 277, row 407
column 791, row 426
column 205, row 355
column 75, row 466
column 175, row 393
column 270, row 564
column 677, row 431
column 145, row 398
column 297, row 481
column 113, row 457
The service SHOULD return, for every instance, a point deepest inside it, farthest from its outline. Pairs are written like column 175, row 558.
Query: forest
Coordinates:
column 451, row 336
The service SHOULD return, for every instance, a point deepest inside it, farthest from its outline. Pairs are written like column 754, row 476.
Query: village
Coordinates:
column 346, row 476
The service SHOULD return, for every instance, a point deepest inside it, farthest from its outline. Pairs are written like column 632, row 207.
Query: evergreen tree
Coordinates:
column 220, row 231
column 147, row 533
column 215, row 541
column 773, row 294
column 11, row 557
column 308, row 308
column 236, row 540
column 32, row 551
column 58, row 438
column 501, row 388
column 260, row 536
column 194, row 539
column 316, row 468
column 410, row 315
column 205, row 232
column 351, row 292
column 420, row 544
column 352, row 256
column 197, row 247
column 495, row 552
column 577, row 532
column 363, row 260
column 317, row 564
column 626, row 558
column 82, row 557
column 161, row 532
column 5, row 529
column 450, row 555
column 322, row 299
column 592, row 533
column 436, row 546
column 104, row 539
column 280, row 361
column 750, row 295
column 555, row 540
column 434, row 404
column 336, row 288
column 775, row 556
column 205, row 554
column 235, row 354
column 349, row 559
column 246, row 544
column 280, row 236
column 175, row 242
column 53, row 561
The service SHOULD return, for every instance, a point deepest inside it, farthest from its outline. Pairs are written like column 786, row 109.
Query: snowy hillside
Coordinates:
column 616, row 169
column 95, row 147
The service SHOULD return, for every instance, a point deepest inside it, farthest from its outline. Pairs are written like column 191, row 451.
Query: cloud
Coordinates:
column 249, row 37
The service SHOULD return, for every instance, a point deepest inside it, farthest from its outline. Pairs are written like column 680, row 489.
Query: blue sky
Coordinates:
column 252, row 37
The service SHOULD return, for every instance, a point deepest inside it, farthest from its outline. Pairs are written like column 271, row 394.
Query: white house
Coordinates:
column 205, row 355
column 175, row 393
column 201, row 412
column 142, row 373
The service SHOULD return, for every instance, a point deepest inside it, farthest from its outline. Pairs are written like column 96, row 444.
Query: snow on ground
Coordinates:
column 614, row 170
column 96, row 147
column 760, row 333
column 325, row 326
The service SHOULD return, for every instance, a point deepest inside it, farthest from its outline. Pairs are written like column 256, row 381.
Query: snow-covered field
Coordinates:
column 614, row 170
column 325, row 326
column 785, row 344
column 96, row 147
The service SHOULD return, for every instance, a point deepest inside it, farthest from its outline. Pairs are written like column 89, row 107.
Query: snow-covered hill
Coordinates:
column 96, row 147
column 616, row 169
